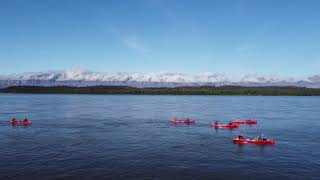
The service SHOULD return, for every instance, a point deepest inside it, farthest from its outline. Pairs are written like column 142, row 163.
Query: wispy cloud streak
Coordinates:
column 132, row 42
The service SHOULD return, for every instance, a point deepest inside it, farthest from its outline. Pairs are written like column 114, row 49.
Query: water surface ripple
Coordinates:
column 129, row 137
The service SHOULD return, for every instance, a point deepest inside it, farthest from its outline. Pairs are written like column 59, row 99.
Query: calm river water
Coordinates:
column 129, row 137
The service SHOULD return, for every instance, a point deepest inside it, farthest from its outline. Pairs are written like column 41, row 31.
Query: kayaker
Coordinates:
column 14, row 120
column 238, row 119
column 261, row 137
column 216, row 123
column 241, row 136
column 230, row 123
column 25, row 120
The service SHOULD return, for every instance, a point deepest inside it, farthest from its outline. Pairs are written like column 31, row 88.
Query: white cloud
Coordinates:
column 165, row 78
column 242, row 49
column 245, row 50
column 80, row 74
column 135, row 44
column 132, row 42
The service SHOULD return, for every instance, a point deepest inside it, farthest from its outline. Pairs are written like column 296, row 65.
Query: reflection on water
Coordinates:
column 130, row 137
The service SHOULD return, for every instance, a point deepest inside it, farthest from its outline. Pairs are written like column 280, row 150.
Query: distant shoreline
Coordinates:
column 196, row 90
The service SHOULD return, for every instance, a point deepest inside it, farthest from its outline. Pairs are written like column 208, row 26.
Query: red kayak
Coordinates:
column 186, row 121
column 254, row 141
column 245, row 121
column 223, row 126
column 27, row 123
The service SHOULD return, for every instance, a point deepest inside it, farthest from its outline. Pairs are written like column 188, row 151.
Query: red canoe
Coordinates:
column 20, row 123
column 245, row 121
column 223, row 126
column 186, row 121
column 254, row 141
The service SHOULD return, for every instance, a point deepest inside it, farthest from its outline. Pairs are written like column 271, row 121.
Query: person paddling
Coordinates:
column 261, row 137
column 25, row 120
column 241, row 136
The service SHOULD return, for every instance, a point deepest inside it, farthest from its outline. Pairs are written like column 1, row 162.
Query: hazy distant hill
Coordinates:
column 82, row 78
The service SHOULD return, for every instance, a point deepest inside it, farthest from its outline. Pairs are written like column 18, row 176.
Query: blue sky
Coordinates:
column 191, row 36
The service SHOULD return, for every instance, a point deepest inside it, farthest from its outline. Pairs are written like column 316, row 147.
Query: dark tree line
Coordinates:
column 200, row 90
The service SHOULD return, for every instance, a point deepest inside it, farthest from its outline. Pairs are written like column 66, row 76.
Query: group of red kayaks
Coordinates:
column 24, row 122
column 232, row 125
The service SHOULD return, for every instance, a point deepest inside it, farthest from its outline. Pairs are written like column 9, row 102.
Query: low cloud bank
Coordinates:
column 160, row 79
